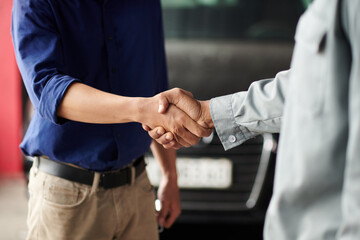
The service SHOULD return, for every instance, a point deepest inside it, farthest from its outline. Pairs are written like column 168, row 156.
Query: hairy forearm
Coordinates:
column 87, row 104
column 166, row 159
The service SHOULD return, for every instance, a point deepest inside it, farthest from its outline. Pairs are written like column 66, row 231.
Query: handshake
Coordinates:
column 180, row 120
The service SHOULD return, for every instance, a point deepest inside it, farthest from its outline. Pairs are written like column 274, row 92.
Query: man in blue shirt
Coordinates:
column 91, row 69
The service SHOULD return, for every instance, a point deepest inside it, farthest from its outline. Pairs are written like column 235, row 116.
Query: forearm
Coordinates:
column 243, row 115
column 87, row 104
column 166, row 159
column 168, row 192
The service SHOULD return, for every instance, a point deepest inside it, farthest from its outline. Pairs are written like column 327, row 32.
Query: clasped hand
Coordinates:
column 182, row 120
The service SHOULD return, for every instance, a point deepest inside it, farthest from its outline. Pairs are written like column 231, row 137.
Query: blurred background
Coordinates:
column 214, row 47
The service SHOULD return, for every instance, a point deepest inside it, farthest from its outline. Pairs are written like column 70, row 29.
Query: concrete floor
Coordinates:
column 13, row 208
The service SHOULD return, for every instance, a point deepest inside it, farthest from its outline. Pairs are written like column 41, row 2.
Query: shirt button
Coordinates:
column 110, row 38
column 113, row 70
column 232, row 138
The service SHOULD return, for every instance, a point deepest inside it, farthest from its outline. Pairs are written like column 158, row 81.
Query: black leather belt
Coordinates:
column 109, row 179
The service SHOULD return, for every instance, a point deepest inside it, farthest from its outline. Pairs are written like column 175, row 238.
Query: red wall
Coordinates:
column 10, row 97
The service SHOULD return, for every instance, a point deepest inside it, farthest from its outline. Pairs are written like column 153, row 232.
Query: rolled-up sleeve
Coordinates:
column 38, row 50
column 244, row 115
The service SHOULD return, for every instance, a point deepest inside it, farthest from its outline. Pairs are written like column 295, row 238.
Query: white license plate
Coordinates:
column 196, row 172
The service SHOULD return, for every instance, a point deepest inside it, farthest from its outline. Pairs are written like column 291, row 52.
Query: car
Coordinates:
column 216, row 48
column 223, row 187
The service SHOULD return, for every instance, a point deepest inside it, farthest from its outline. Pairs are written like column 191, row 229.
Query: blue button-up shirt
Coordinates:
column 114, row 46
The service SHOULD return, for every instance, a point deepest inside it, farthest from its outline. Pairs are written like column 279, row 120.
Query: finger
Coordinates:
column 171, row 217
column 178, row 123
column 175, row 93
column 190, row 106
column 171, row 96
column 163, row 213
column 165, row 138
column 187, row 93
column 180, row 140
column 207, row 132
column 195, row 129
column 177, row 146
column 186, row 138
column 184, row 128
column 182, row 99
column 157, row 133
column 146, row 127
column 172, row 145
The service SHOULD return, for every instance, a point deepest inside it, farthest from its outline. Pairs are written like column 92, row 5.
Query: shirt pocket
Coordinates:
column 309, row 64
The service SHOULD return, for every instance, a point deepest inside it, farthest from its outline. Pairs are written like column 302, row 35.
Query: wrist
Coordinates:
column 124, row 109
column 205, row 113
column 170, row 176
column 141, row 108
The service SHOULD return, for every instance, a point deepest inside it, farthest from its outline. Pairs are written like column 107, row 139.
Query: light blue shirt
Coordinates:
column 316, row 108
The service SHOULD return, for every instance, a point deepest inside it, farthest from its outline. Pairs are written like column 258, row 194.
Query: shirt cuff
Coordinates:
column 230, row 133
column 52, row 96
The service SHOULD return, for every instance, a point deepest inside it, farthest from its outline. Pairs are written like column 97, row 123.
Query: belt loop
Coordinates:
column 36, row 163
column 95, row 184
column 132, row 171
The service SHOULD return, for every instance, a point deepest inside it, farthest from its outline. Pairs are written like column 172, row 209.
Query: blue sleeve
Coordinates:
column 38, row 51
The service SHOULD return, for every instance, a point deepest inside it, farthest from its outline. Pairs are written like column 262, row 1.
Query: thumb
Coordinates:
column 182, row 99
column 163, row 104
column 171, row 96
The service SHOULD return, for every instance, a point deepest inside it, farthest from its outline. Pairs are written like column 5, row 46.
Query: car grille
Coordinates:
column 249, row 166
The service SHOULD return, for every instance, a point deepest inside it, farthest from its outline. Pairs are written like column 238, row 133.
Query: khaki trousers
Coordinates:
column 63, row 210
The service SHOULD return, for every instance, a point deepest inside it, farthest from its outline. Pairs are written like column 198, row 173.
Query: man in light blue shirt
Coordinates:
column 316, row 107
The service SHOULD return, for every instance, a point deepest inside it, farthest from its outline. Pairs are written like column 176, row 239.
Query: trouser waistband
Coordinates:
column 107, row 180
